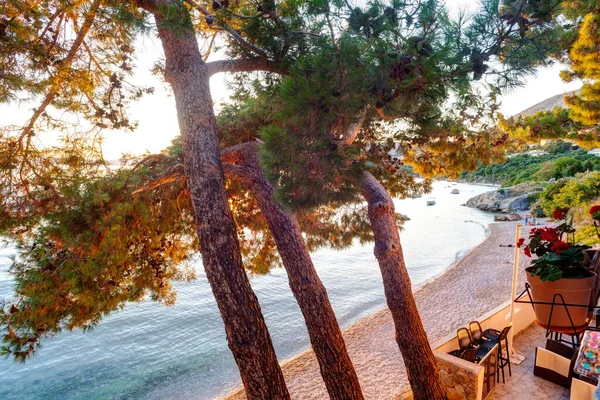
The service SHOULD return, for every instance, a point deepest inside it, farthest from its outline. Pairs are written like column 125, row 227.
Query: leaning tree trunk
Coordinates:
column 421, row 367
column 245, row 327
column 325, row 334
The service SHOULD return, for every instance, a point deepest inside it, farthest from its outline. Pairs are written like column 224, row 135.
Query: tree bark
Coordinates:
column 421, row 367
column 325, row 334
column 245, row 327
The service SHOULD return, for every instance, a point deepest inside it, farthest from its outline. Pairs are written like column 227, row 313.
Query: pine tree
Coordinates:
column 76, row 57
column 341, row 71
column 584, row 60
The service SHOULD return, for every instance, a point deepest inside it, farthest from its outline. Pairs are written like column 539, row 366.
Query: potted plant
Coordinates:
column 558, row 269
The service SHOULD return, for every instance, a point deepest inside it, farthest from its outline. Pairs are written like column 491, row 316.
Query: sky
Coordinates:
column 158, row 120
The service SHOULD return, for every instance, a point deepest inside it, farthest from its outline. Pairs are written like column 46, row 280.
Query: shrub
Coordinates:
column 574, row 192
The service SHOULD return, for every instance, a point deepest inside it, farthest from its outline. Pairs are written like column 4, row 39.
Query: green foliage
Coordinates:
column 587, row 235
column 584, row 63
column 316, row 171
column 96, row 249
column 555, row 124
column 405, row 61
column 559, row 162
column 533, row 197
column 569, row 193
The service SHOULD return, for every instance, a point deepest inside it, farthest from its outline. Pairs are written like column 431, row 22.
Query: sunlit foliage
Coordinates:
column 100, row 246
column 560, row 161
column 584, row 57
column 552, row 124
column 90, row 238
column 568, row 193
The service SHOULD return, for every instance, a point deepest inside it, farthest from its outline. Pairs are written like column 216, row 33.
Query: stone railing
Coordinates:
column 462, row 379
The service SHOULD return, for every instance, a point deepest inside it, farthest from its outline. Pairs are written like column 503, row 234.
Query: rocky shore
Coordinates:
column 512, row 199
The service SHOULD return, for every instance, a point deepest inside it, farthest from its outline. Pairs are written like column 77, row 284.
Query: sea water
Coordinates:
column 149, row 351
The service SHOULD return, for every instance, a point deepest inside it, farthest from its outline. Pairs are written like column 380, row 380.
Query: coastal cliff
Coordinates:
column 511, row 199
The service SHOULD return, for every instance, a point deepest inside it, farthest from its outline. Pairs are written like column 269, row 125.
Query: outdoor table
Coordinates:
column 489, row 362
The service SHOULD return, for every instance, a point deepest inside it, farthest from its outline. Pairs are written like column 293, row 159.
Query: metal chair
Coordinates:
column 464, row 339
column 500, row 337
column 469, row 355
column 477, row 335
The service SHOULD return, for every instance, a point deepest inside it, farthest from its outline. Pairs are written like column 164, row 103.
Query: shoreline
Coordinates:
column 458, row 259
column 496, row 185
column 477, row 283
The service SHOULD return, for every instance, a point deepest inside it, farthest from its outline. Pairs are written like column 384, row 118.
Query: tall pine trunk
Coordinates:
column 245, row 327
column 421, row 367
column 325, row 334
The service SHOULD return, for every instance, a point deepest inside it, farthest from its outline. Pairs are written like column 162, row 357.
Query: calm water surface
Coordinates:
column 149, row 351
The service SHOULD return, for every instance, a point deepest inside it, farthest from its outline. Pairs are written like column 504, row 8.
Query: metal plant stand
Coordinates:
column 558, row 301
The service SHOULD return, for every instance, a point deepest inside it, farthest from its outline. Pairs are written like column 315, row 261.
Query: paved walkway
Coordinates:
column 523, row 385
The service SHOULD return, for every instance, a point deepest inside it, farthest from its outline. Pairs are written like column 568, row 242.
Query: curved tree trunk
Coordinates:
column 421, row 366
column 245, row 327
column 325, row 334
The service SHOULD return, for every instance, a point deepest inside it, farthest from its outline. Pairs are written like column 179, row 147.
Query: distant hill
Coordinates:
column 546, row 105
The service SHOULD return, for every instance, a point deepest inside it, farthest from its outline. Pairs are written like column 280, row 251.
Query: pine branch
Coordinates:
column 383, row 116
column 353, row 129
column 245, row 65
column 230, row 156
column 235, row 34
column 238, row 153
column 65, row 64
column 174, row 174
column 236, row 172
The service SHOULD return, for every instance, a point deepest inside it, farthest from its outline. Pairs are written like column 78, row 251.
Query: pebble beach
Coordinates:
column 478, row 283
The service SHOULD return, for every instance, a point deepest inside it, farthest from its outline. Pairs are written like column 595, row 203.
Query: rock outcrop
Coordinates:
column 508, row 217
column 512, row 199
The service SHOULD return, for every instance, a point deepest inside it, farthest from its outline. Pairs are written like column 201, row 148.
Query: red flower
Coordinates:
column 560, row 213
column 559, row 246
column 595, row 212
column 527, row 251
column 549, row 234
column 520, row 242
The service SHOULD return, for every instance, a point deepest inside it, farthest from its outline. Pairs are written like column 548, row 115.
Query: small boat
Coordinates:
column 455, row 191
column 431, row 201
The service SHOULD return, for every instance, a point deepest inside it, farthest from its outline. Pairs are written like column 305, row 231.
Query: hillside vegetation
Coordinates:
column 561, row 161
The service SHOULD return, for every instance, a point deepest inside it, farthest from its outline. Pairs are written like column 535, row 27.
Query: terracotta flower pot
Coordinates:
column 573, row 291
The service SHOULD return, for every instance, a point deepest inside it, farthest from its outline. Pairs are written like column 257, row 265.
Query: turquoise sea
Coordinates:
column 149, row 351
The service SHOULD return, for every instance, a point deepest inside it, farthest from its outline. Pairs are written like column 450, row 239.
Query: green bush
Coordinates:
column 561, row 161
column 533, row 197
column 569, row 193
column 587, row 235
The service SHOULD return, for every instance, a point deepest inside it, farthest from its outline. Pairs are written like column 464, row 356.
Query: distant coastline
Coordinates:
column 482, row 183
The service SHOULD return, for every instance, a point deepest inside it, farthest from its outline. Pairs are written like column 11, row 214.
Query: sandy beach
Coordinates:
column 478, row 283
